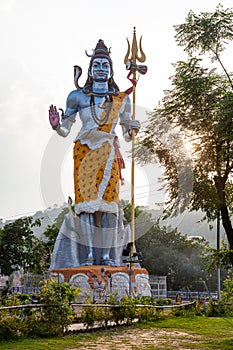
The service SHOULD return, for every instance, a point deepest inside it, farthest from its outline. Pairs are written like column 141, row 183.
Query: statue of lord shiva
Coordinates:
column 89, row 235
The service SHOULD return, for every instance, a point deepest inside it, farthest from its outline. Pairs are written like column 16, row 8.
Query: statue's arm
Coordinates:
column 64, row 124
column 126, row 120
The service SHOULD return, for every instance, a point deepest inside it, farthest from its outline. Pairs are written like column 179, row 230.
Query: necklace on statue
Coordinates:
column 106, row 111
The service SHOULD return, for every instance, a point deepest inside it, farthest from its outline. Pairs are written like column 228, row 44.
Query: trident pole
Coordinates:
column 133, row 59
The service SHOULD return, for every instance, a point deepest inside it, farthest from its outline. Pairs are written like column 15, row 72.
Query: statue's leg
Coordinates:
column 109, row 222
column 87, row 226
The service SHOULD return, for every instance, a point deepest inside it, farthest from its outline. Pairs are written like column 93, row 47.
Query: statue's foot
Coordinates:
column 108, row 262
column 88, row 262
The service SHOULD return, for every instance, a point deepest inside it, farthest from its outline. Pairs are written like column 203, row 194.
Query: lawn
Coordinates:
column 181, row 333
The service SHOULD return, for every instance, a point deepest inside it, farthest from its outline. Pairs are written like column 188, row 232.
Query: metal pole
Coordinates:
column 130, row 277
column 134, row 57
column 218, row 248
column 133, row 173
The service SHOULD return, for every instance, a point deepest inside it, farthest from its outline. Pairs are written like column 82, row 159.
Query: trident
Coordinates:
column 133, row 67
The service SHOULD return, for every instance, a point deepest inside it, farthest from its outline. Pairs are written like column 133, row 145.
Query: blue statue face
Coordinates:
column 100, row 69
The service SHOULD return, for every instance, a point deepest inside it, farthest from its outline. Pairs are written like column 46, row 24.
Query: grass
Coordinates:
column 67, row 342
column 213, row 333
column 170, row 333
column 208, row 326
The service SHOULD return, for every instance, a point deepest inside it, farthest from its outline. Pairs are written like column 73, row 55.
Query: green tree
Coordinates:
column 19, row 246
column 126, row 206
column 143, row 220
column 166, row 252
column 51, row 233
column 200, row 107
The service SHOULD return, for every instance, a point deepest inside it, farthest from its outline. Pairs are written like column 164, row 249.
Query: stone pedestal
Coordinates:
column 98, row 282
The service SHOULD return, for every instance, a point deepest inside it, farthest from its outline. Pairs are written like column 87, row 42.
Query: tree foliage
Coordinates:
column 19, row 248
column 197, row 109
column 51, row 233
column 166, row 252
column 207, row 31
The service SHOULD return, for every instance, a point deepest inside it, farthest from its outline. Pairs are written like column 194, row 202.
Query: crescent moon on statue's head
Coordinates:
column 88, row 53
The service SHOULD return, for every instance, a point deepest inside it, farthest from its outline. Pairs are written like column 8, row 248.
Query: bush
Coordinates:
column 224, row 307
column 219, row 308
column 58, row 314
column 146, row 314
column 164, row 301
column 50, row 320
column 9, row 328
column 89, row 316
column 117, row 311
column 128, row 310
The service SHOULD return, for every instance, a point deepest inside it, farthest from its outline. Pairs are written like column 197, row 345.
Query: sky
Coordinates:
column 41, row 41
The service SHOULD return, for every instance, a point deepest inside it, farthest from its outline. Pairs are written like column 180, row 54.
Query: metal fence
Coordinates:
column 187, row 295
column 178, row 295
column 31, row 284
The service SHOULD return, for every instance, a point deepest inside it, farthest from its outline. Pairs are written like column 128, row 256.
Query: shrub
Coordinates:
column 9, row 328
column 52, row 319
column 58, row 314
column 145, row 314
column 164, row 301
column 128, row 310
column 117, row 311
column 223, row 307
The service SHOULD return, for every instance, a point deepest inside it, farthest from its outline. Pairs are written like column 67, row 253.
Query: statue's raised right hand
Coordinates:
column 54, row 118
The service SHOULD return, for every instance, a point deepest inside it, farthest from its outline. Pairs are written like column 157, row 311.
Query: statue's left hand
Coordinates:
column 131, row 125
column 135, row 125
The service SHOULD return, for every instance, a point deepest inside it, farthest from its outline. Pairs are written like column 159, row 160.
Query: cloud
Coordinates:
column 6, row 5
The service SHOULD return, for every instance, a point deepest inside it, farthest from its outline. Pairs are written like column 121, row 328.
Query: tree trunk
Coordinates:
column 226, row 222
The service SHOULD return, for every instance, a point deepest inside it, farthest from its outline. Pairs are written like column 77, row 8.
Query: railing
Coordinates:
column 191, row 295
column 183, row 295
column 25, row 290
column 75, row 305
column 90, row 316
